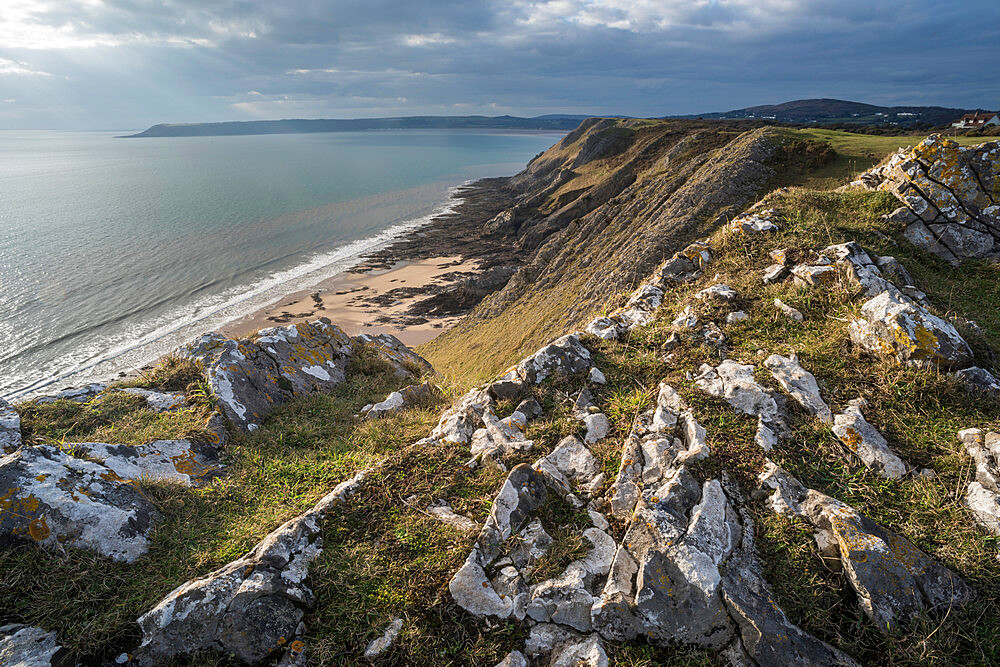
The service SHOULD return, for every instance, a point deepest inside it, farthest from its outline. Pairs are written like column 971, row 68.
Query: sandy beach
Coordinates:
column 362, row 302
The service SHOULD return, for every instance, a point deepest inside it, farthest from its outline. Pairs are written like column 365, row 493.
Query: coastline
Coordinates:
column 417, row 285
column 347, row 299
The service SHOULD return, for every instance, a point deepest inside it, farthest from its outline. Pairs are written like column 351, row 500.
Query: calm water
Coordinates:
column 113, row 251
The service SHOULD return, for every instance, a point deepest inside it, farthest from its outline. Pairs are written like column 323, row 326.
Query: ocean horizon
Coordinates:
column 114, row 252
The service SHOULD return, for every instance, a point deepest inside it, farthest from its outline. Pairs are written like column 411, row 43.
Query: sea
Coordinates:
column 115, row 251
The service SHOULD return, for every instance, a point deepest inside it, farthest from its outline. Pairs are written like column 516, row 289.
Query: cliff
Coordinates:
column 715, row 417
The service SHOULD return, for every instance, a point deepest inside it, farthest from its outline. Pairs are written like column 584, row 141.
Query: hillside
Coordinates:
column 829, row 112
column 737, row 406
column 553, row 122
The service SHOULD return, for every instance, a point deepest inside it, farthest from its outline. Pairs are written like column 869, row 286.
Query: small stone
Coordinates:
column 596, row 376
column 380, row 645
column 806, row 275
column 737, row 316
column 687, row 319
column 800, row 383
column 774, row 274
column 443, row 511
column 718, row 292
column 788, row 310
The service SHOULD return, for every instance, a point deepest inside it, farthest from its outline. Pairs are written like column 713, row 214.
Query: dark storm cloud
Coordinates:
column 130, row 63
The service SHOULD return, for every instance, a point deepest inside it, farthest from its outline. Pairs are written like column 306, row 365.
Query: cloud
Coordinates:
column 130, row 63
column 8, row 66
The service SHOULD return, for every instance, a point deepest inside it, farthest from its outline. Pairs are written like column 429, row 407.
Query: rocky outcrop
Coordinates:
column 252, row 376
column 894, row 580
column 251, row 608
column 26, row 646
column 54, row 499
column 404, row 361
column 800, row 384
column 982, row 495
column 950, row 196
column 736, row 384
column 10, row 428
column 864, row 441
column 184, row 462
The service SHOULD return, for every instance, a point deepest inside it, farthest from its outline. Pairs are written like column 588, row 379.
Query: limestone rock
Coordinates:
column 513, row 659
column 75, row 394
column 598, row 427
column 894, row 580
column 766, row 635
column 459, row 422
column 755, row 222
column 893, row 325
column 181, row 461
column 10, row 428
column 806, row 275
column 774, row 274
column 687, row 319
column 864, row 441
column 983, row 495
column 717, row 292
column 736, row 316
column 800, row 384
column 735, row 383
column 252, row 376
column 564, row 357
column 603, row 327
column 443, row 511
column 404, row 361
column 399, row 400
column 686, row 265
column 499, row 437
column 27, row 646
column 380, row 645
column 159, row 401
column 949, row 193
column 53, row 498
column 787, row 310
column 596, row 376
column 570, row 462
column 979, row 381
column 471, row 587
column 252, row 607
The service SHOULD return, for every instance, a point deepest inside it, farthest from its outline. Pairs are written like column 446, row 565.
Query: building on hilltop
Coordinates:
column 976, row 120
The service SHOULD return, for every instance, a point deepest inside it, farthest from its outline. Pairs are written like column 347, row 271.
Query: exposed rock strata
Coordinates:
column 950, row 196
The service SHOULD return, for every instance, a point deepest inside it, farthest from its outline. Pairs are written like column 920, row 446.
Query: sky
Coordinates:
column 128, row 64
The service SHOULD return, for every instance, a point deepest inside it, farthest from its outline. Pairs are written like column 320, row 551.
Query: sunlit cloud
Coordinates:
column 15, row 67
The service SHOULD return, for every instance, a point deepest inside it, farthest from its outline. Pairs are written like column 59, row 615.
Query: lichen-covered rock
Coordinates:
column 864, row 441
column 10, row 428
column 800, row 384
column 755, row 222
column 735, row 383
column 181, row 461
column 252, row 376
column 806, row 275
column 894, row 580
column 404, row 361
column 894, row 325
column 767, row 637
column 499, row 437
column 52, row 498
column 665, row 579
column 775, row 273
column 27, row 646
column 460, row 421
column 951, row 195
column 251, row 608
column 568, row 464
column 159, row 401
column 566, row 356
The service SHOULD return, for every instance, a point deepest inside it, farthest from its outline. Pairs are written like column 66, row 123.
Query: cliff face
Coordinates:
column 598, row 211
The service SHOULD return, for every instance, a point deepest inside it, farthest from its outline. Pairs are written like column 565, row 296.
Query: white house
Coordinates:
column 978, row 119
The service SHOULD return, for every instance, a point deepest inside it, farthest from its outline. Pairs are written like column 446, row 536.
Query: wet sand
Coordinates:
column 362, row 302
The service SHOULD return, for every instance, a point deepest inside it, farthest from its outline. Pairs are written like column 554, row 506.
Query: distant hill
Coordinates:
column 294, row 126
column 829, row 112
